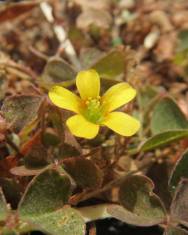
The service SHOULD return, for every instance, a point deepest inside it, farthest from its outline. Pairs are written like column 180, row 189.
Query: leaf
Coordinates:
column 56, row 71
column 4, row 210
column 181, row 58
column 183, row 38
column 140, row 206
column 85, row 173
column 49, row 138
column 179, row 206
column 180, row 171
column 23, row 171
column 11, row 190
column 42, row 205
column 68, row 150
column 158, row 172
column 60, row 222
column 88, row 56
column 145, row 95
column 14, row 10
column 167, row 116
column 46, row 192
column 162, row 139
column 21, row 110
column 115, row 63
column 175, row 231
column 36, row 157
column 9, row 231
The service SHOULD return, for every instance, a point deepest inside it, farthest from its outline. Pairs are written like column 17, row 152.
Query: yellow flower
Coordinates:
column 93, row 110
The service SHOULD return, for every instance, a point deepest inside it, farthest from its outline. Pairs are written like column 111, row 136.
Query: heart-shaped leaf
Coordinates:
column 140, row 206
column 114, row 63
column 4, row 210
column 167, row 116
column 56, row 71
column 180, row 171
column 46, row 193
column 162, row 139
column 85, row 173
column 179, row 206
column 21, row 110
column 60, row 222
column 42, row 205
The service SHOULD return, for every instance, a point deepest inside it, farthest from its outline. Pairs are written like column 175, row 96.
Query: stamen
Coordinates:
column 93, row 109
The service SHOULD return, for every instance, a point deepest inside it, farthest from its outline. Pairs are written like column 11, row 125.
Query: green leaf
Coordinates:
column 180, row 171
column 145, row 95
column 175, row 231
column 88, row 56
column 85, row 173
column 163, row 139
column 114, row 63
column 56, row 71
column 66, row 221
column 179, row 206
column 183, row 39
column 167, row 116
column 42, row 205
column 9, row 231
column 140, row 206
column 21, row 110
column 181, row 58
column 4, row 210
column 46, row 192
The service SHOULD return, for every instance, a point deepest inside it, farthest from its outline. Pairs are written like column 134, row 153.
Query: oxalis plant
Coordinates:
column 65, row 172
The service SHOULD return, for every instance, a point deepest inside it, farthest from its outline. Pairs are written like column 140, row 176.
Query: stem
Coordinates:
column 91, row 213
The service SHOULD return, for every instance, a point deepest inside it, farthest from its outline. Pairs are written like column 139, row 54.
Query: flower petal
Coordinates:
column 117, row 96
column 80, row 127
column 122, row 123
column 88, row 84
column 64, row 98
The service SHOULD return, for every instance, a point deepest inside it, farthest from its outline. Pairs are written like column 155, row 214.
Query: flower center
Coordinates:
column 92, row 111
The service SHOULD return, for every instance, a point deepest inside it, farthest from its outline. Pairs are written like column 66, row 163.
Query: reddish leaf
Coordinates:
column 14, row 10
